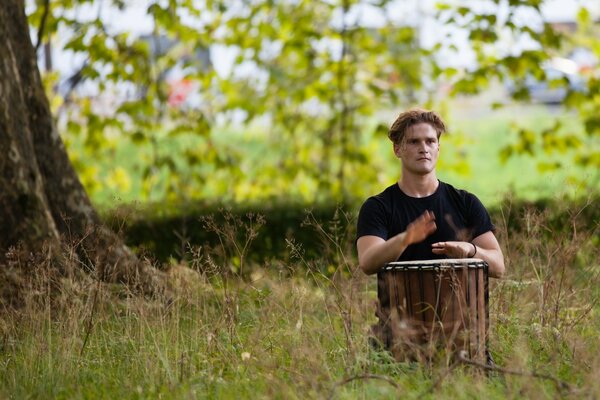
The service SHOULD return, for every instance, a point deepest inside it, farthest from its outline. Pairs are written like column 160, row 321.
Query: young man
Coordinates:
column 420, row 217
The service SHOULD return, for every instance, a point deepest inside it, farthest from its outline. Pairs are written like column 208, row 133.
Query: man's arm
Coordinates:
column 374, row 252
column 484, row 246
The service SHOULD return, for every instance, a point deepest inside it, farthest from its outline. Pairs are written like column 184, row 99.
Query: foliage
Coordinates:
column 312, row 82
column 171, row 235
column 325, row 73
column 497, row 32
column 314, row 75
column 129, row 103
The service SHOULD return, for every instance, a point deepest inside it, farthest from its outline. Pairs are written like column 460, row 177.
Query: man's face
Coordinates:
column 419, row 149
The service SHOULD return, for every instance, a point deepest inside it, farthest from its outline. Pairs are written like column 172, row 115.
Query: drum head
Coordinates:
column 436, row 264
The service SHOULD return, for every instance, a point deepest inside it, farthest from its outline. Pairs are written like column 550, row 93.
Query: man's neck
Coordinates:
column 418, row 185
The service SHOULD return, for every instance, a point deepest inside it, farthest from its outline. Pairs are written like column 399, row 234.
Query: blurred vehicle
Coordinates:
column 561, row 76
column 183, row 91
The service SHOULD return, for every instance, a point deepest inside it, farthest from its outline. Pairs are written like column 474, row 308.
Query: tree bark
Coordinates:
column 42, row 202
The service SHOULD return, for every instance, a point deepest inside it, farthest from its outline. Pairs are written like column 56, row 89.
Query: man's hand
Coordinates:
column 454, row 249
column 420, row 228
column 484, row 246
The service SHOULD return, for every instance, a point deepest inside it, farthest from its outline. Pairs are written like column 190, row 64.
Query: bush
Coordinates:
column 174, row 233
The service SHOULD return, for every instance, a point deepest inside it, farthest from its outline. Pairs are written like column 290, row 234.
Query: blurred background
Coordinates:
column 172, row 108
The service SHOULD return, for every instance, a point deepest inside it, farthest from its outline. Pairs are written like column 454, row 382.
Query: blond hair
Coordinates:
column 412, row 117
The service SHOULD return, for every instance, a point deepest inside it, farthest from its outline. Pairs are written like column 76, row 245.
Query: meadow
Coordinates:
column 298, row 329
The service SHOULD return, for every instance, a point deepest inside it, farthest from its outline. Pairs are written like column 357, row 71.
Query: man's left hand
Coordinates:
column 453, row 249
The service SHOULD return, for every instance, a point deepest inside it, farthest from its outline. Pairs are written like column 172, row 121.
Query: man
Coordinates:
column 420, row 217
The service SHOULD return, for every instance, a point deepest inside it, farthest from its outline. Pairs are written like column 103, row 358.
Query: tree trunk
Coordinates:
column 42, row 202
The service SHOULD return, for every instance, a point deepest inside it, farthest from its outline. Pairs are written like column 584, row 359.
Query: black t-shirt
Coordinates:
column 459, row 215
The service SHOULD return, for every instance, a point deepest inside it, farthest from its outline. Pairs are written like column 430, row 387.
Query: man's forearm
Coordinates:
column 376, row 256
column 494, row 258
column 375, row 252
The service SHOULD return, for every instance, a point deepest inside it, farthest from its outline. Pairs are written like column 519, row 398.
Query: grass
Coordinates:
column 296, row 330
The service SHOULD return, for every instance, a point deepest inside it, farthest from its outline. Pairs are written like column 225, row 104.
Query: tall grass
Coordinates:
column 299, row 328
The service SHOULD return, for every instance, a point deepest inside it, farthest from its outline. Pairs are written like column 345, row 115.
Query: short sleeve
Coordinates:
column 373, row 219
column 479, row 219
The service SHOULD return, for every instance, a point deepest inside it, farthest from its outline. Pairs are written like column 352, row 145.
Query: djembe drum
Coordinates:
column 437, row 303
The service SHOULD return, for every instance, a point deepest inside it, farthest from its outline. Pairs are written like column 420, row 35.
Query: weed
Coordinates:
column 231, row 328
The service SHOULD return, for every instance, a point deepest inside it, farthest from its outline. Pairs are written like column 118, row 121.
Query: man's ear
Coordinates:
column 397, row 149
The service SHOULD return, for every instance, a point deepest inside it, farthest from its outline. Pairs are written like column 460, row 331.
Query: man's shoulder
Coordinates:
column 466, row 202
column 386, row 195
column 457, row 193
column 382, row 201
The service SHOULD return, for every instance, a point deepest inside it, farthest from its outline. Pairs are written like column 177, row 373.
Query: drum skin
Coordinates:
column 435, row 305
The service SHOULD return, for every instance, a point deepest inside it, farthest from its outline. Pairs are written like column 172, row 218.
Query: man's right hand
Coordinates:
column 420, row 228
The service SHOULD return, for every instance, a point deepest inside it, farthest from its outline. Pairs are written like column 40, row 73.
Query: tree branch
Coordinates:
column 42, row 28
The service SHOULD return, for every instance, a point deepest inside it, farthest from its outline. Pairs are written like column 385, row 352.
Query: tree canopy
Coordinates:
column 546, row 41
column 310, row 78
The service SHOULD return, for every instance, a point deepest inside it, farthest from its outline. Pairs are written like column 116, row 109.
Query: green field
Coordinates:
column 252, row 164
column 286, row 330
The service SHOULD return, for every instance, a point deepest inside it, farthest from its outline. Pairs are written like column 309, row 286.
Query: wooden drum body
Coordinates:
column 437, row 303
